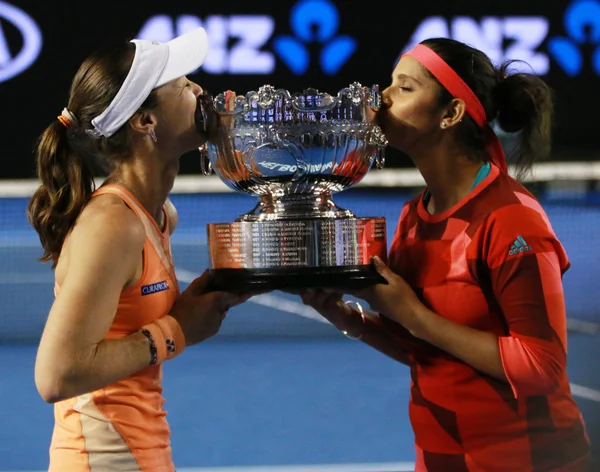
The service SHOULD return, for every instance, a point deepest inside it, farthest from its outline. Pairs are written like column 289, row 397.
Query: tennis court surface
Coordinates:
column 278, row 389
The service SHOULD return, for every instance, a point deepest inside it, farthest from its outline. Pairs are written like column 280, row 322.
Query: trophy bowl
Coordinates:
column 293, row 152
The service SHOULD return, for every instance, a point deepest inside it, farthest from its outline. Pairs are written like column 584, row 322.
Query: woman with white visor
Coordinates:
column 118, row 312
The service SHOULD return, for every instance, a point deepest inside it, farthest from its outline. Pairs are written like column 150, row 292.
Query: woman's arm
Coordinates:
column 73, row 357
column 477, row 348
column 372, row 329
column 527, row 287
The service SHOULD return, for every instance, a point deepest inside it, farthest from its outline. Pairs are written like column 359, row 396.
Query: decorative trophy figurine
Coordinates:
column 293, row 152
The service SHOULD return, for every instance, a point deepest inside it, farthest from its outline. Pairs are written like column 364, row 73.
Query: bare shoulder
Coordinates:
column 110, row 214
column 172, row 215
column 108, row 227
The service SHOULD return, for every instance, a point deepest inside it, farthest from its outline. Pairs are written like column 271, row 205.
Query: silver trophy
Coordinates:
column 293, row 152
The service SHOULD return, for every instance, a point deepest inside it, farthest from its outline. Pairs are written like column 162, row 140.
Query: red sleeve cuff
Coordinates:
column 530, row 367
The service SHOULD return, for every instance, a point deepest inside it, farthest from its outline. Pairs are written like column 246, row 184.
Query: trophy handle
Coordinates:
column 380, row 159
column 373, row 97
column 379, row 140
column 205, row 164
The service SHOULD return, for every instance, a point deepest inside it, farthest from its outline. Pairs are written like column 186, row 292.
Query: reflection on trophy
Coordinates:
column 293, row 152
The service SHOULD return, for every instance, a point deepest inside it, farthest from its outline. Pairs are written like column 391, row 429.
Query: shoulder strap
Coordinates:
column 152, row 232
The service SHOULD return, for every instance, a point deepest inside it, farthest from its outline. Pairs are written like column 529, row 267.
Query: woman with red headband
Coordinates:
column 474, row 300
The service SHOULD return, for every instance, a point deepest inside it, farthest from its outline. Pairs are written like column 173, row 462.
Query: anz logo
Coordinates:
column 501, row 38
column 14, row 62
column 524, row 38
column 314, row 21
column 247, row 33
column 239, row 44
column 246, row 44
column 582, row 17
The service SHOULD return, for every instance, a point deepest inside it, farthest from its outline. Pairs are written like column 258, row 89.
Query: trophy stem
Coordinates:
column 296, row 206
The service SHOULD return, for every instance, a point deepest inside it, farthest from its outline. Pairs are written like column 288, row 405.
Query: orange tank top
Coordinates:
column 123, row 426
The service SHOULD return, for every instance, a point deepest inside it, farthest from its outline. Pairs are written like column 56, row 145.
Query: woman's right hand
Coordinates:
column 332, row 307
column 200, row 313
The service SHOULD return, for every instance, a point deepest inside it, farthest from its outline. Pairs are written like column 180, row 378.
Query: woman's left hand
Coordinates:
column 395, row 300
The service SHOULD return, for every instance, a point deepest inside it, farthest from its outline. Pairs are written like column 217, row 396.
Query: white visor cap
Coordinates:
column 154, row 64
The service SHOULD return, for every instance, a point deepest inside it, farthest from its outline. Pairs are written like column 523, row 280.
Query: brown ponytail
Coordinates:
column 66, row 186
column 68, row 157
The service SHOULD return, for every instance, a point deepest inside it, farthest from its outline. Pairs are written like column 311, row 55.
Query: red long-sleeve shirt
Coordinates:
column 493, row 263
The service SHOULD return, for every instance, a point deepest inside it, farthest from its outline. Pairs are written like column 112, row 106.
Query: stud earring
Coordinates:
column 443, row 124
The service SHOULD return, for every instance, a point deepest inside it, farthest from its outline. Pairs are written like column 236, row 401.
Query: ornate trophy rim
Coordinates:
column 310, row 100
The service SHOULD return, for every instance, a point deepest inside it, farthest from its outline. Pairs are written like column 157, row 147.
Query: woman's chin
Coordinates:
column 397, row 144
column 197, row 140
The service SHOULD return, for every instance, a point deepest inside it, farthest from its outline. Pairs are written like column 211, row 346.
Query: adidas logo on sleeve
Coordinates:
column 519, row 246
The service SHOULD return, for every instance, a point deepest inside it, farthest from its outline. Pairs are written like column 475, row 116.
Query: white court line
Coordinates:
column 266, row 299
column 10, row 279
column 24, row 239
column 583, row 326
column 388, row 467
column 585, row 392
column 296, row 308
column 289, row 306
column 17, row 241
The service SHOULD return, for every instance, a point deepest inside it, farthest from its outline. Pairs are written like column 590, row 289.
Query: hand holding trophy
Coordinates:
column 293, row 152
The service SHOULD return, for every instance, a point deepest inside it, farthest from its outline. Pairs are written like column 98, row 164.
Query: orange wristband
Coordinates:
column 167, row 336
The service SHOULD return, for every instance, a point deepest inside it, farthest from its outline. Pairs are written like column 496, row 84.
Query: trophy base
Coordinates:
column 292, row 254
column 258, row 280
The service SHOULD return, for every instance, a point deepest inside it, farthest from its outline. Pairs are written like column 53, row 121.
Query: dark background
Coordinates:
column 71, row 30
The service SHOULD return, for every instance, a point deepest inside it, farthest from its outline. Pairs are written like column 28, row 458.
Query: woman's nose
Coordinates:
column 386, row 102
column 197, row 89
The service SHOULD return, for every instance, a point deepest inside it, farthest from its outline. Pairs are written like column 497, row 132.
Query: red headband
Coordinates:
column 457, row 87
